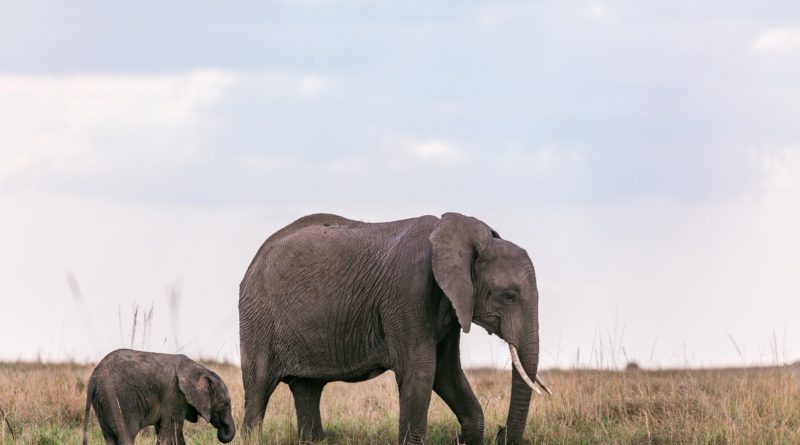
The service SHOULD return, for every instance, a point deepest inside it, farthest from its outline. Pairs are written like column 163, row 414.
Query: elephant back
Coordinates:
column 321, row 219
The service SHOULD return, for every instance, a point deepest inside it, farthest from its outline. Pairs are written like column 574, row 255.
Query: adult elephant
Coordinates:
column 332, row 299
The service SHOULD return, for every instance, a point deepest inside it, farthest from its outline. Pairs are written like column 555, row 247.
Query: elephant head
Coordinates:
column 207, row 396
column 491, row 282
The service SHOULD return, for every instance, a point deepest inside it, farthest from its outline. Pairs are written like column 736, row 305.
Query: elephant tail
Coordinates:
column 87, row 412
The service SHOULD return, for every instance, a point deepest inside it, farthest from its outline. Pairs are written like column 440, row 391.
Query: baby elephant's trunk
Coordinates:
column 226, row 430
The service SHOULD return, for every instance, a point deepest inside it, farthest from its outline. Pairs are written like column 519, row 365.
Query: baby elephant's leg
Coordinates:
column 116, row 430
column 114, row 439
column 170, row 431
column 110, row 438
column 110, row 434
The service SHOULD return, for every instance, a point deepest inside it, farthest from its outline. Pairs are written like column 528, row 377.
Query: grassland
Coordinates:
column 44, row 405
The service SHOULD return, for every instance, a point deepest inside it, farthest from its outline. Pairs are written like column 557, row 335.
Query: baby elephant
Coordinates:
column 132, row 389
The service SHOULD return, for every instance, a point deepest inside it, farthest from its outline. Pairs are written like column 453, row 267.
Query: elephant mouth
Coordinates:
column 491, row 324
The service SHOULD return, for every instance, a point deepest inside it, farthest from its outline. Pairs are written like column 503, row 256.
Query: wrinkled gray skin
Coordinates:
column 130, row 390
column 331, row 299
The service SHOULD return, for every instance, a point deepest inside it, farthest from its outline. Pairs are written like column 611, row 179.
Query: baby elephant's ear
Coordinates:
column 195, row 386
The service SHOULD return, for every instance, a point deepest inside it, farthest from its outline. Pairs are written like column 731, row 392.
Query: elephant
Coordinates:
column 328, row 298
column 130, row 390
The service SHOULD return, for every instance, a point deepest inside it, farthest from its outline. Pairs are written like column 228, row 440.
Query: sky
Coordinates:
column 646, row 154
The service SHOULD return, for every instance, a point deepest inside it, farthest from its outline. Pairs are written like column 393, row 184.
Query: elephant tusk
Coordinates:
column 521, row 370
column 541, row 383
column 524, row 375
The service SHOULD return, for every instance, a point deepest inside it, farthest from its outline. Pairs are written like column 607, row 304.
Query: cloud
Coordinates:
column 312, row 85
column 13, row 165
column 282, row 85
column 496, row 15
column 595, row 11
column 108, row 135
column 436, row 150
column 168, row 97
column 58, row 113
column 778, row 40
column 545, row 162
column 780, row 171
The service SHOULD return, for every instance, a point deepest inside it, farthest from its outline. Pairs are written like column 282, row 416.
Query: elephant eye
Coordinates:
column 509, row 296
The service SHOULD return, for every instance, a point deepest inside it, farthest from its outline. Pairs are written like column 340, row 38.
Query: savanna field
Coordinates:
column 43, row 404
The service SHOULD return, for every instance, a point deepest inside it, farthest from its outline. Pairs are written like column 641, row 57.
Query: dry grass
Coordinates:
column 44, row 405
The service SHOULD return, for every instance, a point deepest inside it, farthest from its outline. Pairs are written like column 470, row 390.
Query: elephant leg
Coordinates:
column 112, row 424
column 307, row 394
column 110, row 438
column 453, row 387
column 415, row 384
column 133, row 428
column 119, row 439
column 110, row 435
column 170, row 432
column 257, row 391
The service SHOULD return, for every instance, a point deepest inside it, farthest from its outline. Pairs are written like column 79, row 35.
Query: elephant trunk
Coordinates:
column 226, row 430
column 521, row 389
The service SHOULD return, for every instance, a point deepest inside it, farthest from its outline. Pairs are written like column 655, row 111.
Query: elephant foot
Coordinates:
column 468, row 440
column 312, row 437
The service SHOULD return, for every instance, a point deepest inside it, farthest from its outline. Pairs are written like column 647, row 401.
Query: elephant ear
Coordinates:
column 457, row 241
column 195, row 385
